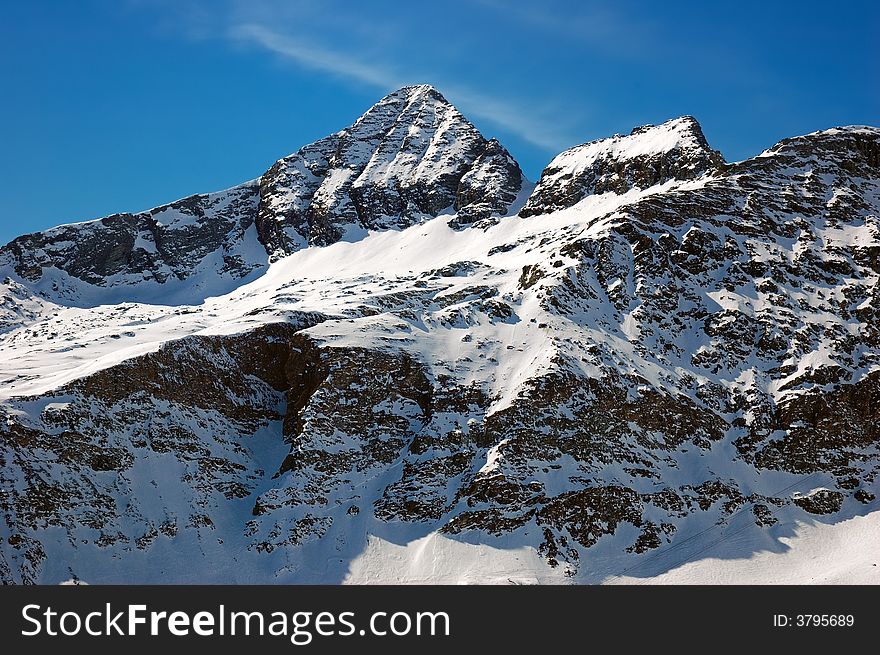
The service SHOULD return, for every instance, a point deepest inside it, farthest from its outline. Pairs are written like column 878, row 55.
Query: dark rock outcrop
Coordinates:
column 649, row 155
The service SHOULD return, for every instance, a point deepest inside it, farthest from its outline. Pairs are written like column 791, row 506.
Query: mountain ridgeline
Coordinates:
column 409, row 158
column 393, row 358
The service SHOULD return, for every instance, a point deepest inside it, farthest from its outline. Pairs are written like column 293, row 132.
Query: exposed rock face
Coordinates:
column 206, row 235
column 649, row 155
column 410, row 157
column 490, row 187
column 143, row 451
column 639, row 370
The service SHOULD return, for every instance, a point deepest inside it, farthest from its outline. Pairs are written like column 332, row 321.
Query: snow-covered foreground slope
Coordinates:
column 663, row 367
column 844, row 553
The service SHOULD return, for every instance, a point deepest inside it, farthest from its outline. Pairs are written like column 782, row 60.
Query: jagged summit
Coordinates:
column 851, row 145
column 414, row 93
column 649, row 155
column 398, row 164
column 683, row 132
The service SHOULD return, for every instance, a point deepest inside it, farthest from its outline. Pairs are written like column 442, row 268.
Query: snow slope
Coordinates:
column 845, row 553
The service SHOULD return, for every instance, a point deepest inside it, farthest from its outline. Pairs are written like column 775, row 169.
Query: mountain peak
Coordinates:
column 682, row 129
column 413, row 91
column 648, row 155
column 401, row 162
column 408, row 100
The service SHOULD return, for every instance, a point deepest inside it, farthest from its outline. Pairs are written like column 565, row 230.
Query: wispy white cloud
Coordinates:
column 537, row 130
column 313, row 56
column 507, row 114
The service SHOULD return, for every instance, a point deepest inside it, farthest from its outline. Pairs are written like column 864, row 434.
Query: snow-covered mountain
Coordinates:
column 389, row 359
column 410, row 158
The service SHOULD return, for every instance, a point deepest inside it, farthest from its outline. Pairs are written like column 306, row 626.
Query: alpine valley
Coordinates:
column 392, row 358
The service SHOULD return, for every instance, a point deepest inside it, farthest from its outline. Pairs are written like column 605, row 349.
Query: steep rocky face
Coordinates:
column 157, row 448
column 659, row 362
column 205, row 236
column 649, row 155
column 490, row 187
column 410, row 157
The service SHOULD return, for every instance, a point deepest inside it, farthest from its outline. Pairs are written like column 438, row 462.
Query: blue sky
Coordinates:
column 122, row 105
